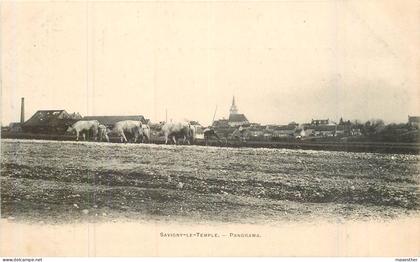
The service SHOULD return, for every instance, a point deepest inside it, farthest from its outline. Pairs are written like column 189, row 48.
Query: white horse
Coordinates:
column 83, row 127
column 146, row 132
column 103, row 133
column 134, row 128
column 183, row 130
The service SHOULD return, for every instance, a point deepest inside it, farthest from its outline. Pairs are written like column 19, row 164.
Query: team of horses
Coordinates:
column 137, row 131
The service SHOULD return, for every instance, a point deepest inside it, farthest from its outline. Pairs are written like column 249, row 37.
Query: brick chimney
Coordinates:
column 22, row 111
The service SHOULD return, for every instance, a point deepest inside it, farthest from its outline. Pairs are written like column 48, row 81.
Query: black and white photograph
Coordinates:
column 210, row 128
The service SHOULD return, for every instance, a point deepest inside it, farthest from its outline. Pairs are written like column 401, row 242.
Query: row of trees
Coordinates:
column 377, row 130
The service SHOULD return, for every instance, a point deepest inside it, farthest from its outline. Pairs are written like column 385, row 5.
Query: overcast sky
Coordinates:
column 284, row 61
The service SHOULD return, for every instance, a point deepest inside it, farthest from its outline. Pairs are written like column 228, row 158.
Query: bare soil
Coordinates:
column 58, row 182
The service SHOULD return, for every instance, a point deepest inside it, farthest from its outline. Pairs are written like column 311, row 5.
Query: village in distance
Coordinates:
column 236, row 129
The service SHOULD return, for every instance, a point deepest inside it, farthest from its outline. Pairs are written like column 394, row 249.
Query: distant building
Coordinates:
column 320, row 122
column 256, row 132
column 50, row 121
column 355, row 132
column 109, row 121
column 325, row 130
column 414, row 121
column 221, row 123
column 345, row 128
column 282, row 130
column 342, row 130
column 236, row 119
column 233, row 108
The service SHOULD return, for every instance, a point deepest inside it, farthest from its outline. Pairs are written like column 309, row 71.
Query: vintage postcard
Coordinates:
column 210, row 128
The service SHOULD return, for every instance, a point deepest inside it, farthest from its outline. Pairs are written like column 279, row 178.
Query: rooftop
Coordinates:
column 237, row 118
column 48, row 118
column 325, row 128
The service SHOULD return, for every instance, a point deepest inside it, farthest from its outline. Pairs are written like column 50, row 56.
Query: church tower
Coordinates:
column 233, row 108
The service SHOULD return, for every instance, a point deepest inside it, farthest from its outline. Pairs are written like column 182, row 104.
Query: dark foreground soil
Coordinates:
column 59, row 182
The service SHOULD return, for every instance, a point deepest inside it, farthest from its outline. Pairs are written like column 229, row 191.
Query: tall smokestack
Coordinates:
column 22, row 111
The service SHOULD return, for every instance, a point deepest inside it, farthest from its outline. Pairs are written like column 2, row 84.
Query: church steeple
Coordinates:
column 233, row 108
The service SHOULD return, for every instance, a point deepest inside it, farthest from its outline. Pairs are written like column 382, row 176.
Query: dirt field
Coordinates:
column 57, row 182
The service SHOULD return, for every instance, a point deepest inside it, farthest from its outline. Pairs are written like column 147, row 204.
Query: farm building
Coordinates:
column 109, row 121
column 50, row 121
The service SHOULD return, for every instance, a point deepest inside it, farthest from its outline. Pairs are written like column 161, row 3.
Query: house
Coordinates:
column 355, row 132
column 255, row 132
column 50, row 121
column 283, row 131
column 109, row 121
column 325, row 130
column 320, row 122
column 342, row 130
